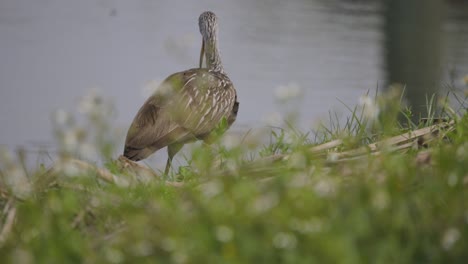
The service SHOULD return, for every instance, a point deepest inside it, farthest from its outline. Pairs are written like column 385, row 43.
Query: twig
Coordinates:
column 8, row 226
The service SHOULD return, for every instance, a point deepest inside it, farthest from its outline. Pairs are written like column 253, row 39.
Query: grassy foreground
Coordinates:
column 247, row 202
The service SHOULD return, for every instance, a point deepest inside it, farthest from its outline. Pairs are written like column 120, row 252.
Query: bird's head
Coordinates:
column 208, row 23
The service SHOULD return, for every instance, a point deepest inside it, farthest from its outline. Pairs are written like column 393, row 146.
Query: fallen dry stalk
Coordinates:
column 405, row 141
column 9, row 221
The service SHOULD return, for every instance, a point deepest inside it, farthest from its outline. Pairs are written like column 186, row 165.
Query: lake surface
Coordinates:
column 53, row 52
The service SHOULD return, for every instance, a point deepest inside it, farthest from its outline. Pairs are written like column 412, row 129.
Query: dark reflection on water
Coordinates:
column 54, row 51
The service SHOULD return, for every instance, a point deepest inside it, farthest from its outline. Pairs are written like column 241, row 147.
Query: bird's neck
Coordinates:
column 213, row 59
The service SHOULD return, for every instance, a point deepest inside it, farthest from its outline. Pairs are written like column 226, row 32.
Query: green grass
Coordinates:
column 386, row 208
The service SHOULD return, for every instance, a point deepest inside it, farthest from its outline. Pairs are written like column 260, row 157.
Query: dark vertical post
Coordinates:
column 413, row 40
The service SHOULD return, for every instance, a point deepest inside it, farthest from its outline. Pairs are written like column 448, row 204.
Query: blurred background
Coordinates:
column 324, row 54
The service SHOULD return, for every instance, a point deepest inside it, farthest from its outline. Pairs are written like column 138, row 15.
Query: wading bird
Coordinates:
column 187, row 106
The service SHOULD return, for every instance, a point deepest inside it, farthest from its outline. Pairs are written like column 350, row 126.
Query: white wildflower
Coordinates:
column 150, row 88
column 5, row 155
column 70, row 169
column 61, row 117
column 452, row 180
column 70, row 140
column 380, row 200
column 288, row 92
column 450, row 237
column 265, row 202
column 231, row 165
column 370, row 107
column 325, row 187
column 88, row 151
column 333, row 156
column 90, row 103
column 231, row 141
column 16, row 179
column 297, row 160
column 284, row 240
column 211, row 189
column 224, row 233
column 290, row 137
column 300, row 180
column 314, row 225
column 274, row 119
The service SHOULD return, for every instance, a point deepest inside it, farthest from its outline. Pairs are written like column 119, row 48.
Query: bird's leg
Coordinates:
column 168, row 165
column 171, row 152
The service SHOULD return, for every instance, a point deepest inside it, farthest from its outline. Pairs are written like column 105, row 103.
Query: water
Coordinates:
column 53, row 52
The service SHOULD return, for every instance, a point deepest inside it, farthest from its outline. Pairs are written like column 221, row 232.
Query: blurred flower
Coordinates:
column 274, row 119
column 61, row 117
column 452, row 180
column 70, row 169
column 224, row 233
column 313, row 225
column 150, row 88
column 300, row 180
column 113, row 255
column 88, row 151
column 89, row 102
column 369, row 106
column 333, row 156
column 449, row 238
column 284, row 240
column 297, row 160
column 212, row 188
column 290, row 137
column 231, row 140
column 18, row 182
column 70, row 140
column 231, row 165
column 380, row 200
column 324, row 187
column 5, row 155
column 15, row 176
column 288, row 92
column 265, row 202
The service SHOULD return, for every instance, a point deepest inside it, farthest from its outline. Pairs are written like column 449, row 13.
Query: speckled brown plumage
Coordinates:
column 187, row 106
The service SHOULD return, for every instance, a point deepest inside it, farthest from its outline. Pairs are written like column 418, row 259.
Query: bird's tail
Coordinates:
column 134, row 154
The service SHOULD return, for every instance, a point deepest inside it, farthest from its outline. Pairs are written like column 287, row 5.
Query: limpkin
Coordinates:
column 187, row 106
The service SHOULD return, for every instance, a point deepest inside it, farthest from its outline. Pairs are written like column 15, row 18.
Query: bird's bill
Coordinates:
column 202, row 53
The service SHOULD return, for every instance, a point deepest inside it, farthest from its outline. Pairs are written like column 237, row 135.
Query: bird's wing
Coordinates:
column 153, row 127
column 187, row 105
column 204, row 102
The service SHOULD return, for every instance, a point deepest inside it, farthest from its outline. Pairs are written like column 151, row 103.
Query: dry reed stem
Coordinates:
column 9, row 221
